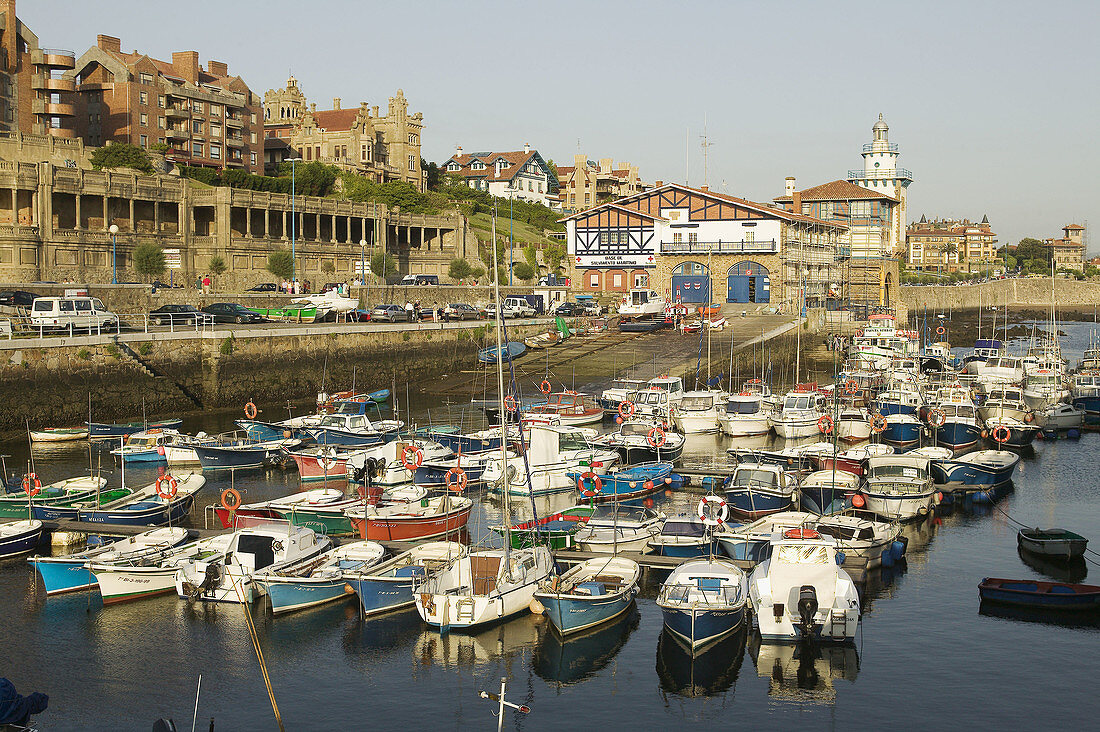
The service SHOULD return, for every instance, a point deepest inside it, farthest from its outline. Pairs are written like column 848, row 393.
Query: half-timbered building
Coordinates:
column 696, row 246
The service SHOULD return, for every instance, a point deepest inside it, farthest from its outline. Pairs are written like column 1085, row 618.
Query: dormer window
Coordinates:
column 477, row 165
column 453, row 166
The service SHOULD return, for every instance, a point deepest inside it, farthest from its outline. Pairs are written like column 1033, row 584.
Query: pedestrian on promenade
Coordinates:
column 409, row 310
column 206, row 284
column 416, row 308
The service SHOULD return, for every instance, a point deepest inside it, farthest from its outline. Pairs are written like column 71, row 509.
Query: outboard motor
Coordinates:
column 209, row 582
column 807, row 609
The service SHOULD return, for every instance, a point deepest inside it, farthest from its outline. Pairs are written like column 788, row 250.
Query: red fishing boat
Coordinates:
column 431, row 517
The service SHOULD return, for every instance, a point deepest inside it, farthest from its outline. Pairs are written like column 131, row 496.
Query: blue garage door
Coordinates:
column 691, row 288
column 748, row 282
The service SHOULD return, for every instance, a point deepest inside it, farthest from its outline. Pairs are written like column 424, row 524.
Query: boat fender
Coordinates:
column 840, row 559
column 31, row 484
column 709, row 518
column 858, row 500
column 939, row 497
column 536, row 607
column 231, row 499
column 250, row 410
column 648, row 485
column 582, row 485
column 1029, row 417
column 160, row 450
column 167, row 487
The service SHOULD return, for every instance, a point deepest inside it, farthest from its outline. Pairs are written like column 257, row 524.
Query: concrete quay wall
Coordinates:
column 1034, row 292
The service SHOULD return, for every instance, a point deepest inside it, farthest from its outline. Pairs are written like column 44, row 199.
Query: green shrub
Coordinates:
column 112, row 350
column 145, row 349
column 226, row 347
column 84, row 354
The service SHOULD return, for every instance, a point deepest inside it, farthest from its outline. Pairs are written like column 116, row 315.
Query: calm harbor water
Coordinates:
column 926, row 656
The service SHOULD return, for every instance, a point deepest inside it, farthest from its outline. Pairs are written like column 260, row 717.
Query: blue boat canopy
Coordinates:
column 987, row 343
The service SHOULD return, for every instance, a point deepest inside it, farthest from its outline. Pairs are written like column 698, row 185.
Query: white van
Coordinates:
column 79, row 313
column 517, row 307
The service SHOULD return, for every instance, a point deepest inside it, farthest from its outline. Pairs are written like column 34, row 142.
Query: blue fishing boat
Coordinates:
column 567, row 660
column 145, row 507
column 902, row 430
column 635, row 481
column 69, row 573
column 466, row 444
column 982, row 467
column 1039, row 594
column 388, row 586
column 321, row 580
column 591, row 593
column 703, row 601
column 353, row 430
column 956, row 424
column 19, row 537
column 507, row 352
column 897, row 401
column 103, row 430
column 235, row 454
column 758, row 489
column 683, row 536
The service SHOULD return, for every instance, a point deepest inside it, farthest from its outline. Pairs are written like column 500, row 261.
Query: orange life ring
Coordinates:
column 1001, row 433
column 31, row 484
column 545, row 387
column 851, row 387
column 937, row 417
column 626, row 409
column 656, row 437
column 456, row 479
column 878, row 423
column 754, row 381
column 825, row 424
column 597, row 484
column 250, row 410
column 170, row 492
column 941, row 330
column 801, row 534
column 236, row 502
column 412, row 457
column 510, row 403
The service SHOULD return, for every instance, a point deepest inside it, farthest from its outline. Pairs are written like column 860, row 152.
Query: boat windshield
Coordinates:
column 635, row 428
column 572, row 441
column 349, row 408
column 696, row 403
column 753, row 477
column 802, row 554
column 743, row 407
column 684, row 528
column 897, row 471
column 796, row 403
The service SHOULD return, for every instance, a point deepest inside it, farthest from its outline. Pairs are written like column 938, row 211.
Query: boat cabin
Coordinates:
column 758, row 475
column 698, row 401
column 898, row 470
column 671, row 384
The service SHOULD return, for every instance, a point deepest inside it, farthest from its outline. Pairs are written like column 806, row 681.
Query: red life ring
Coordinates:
column 851, row 387
column 510, row 403
column 825, row 424
column 878, row 423
column 941, row 330
column 31, row 484
column 172, row 485
column 545, row 387
column 626, row 409
column 456, row 479
column 250, row 410
column 858, row 501
column 597, row 484
column 656, row 437
column 937, row 417
column 801, row 534
column 1001, row 433
column 412, row 457
column 235, row 503
column 754, row 381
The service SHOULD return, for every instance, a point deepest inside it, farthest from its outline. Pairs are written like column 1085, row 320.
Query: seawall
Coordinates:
column 1030, row 291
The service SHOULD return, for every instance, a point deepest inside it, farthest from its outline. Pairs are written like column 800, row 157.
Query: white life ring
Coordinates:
column 706, row 517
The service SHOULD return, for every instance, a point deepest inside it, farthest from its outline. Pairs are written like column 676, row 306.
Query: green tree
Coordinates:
column 382, row 264
column 311, row 179
column 217, row 266
column 432, row 174
column 328, row 267
column 554, row 254
column 523, row 271
column 148, row 259
column 280, row 264
column 531, row 254
column 121, row 155
column 460, row 269
column 477, row 272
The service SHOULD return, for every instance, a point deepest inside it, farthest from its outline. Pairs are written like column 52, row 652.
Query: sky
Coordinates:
column 994, row 105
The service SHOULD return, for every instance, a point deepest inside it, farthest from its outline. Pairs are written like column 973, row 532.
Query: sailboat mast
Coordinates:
column 504, row 479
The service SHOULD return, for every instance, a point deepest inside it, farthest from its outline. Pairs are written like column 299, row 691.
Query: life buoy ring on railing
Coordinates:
column 582, row 484
column 710, row 518
column 1001, row 433
column 656, row 437
column 851, row 388
column 231, row 499
column 941, row 330
column 250, row 410
column 456, row 479
column 626, row 409
column 825, row 424
column 168, row 492
column 31, row 484
column 412, row 457
column 510, row 403
column 545, row 387
column 937, row 417
column 878, row 423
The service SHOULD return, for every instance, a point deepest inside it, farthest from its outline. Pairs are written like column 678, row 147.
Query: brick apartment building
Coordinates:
column 204, row 116
column 951, row 245
column 34, row 98
column 589, row 183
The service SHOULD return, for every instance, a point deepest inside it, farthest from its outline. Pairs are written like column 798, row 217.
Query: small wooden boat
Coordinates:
column 543, row 340
column 145, row 507
column 70, row 572
column 591, row 593
column 275, row 509
column 135, row 579
column 103, row 430
column 431, row 517
column 319, row 581
column 19, row 537
column 506, row 353
column 59, row 434
column 555, row 531
column 1052, row 542
column 388, row 586
column 61, row 493
column 1039, row 594
column 703, row 601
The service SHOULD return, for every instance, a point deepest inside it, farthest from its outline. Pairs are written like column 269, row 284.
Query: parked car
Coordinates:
column 263, row 287
column 570, row 310
column 592, row 308
column 231, row 312
column 419, row 279
column 461, row 311
column 71, row 312
column 517, row 307
column 389, row 314
column 179, row 315
column 17, row 298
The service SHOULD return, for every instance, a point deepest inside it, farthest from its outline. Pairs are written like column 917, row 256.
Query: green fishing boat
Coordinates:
column 329, row 519
column 61, row 493
column 290, row 313
column 554, row 532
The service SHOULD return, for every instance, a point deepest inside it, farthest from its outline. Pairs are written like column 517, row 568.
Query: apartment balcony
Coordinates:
column 60, row 109
column 234, row 162
column 758, row 246
column 234, row 121
column 53, row 58
column 61, row 132
column 179, row 133
column 237, row 142
column 177, row 112
column 43, row 82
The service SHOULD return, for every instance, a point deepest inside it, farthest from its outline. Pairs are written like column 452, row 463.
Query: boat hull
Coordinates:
column 157, row 515
column 21, row 542
column 384, row 594
column 958, row 435
column 220, row 458
column 412, row 527
column 289, row 593
column 903, row 507
column 60, row 575
column 126, row 584
column 102, row 431
column 572, row 614
column 901, row 433
column 699, row 628
column 1042, row 595
column 1055, row 548
column 755, row 503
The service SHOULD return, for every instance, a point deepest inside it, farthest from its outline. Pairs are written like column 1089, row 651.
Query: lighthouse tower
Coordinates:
column 881, row 174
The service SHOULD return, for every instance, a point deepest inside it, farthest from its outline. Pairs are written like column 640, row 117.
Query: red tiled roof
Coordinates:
column 336, row 120
column 516, row 159
column 1074, row 227
column 837, row 190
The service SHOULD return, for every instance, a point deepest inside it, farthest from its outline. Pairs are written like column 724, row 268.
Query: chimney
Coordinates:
column 526, row 148
column 458, row 151
column 658, row 183
column 374, row 111
column 705, row 189
column 10, row 41
column 788, row 186
column 218, row 68
column 336, row 102
column 796, row 202
column 109, row 43
column 186, row 65
column 605, row 165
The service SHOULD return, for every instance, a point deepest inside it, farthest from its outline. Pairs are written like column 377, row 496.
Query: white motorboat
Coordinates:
column 799, row 591
column 872, row 543
column 1005, row 401
column 1060, row 416
column 799, row 415
column 703, row 601
column 697, row 412
column 397, row 455
column 615, row 527
column 1044, row 386
column 746, row 414
column 853, row 425
column 149, row 576
column 552, row 452
column 642, row 304
column 481, row 587
column 641, row 442
column 897, row 487
column 611, row 397
column 999, row 371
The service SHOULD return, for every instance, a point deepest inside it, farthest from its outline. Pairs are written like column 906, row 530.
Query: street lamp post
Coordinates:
column 114, row 253
column 511, row 233
column 363, row 264
column 293, row 222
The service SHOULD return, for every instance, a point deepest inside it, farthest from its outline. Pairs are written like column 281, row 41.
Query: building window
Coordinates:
column 215, row 152
column 196, row 126
column 252, row 137
column 196, row 107
column 594, row 279
column 750, row 236
column 587, row 198
column 616, row 280
column 215, row 110
column 253, row 118
column 160, row 101
column 677, row 237
column 143, row 119
column 309, row 153
column 145, row 78
column 412, row 162
column 215, row 130
column 253, row 157
column 693, row 237
column 143, row 97
column 144, row 140
column 641, row 279
column 412, row 139
column 196, row 149
column 160, row 122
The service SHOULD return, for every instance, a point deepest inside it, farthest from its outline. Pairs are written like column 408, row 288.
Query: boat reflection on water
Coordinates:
column 579, row 657
column 365, row 639
column 455, row 649
column 1063, row 618
column 704, row 674
column 804, row 672
column 874, row 583
column 1073, row 571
